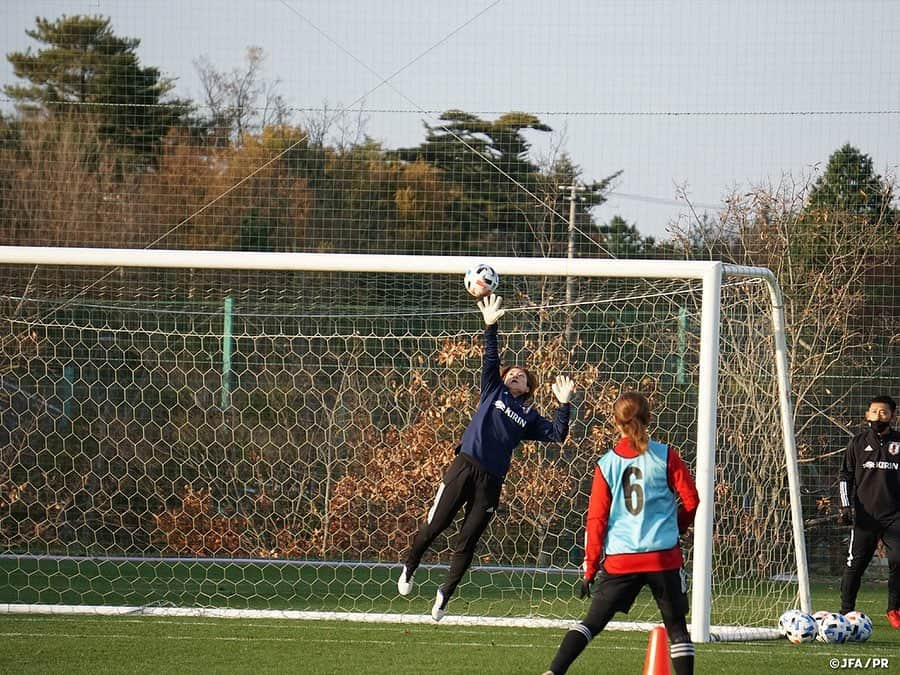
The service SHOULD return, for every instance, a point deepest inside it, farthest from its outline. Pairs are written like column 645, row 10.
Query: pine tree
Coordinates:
column 86, row 70
column 850, row 189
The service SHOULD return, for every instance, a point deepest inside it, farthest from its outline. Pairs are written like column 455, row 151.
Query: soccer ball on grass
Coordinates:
column 800, row 627
column 785, row 619
column 834, row 629
column 860, row 626
column 481, row 280
column 821, row 614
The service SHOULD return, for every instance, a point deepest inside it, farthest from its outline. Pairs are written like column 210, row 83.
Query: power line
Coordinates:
column 662, row 200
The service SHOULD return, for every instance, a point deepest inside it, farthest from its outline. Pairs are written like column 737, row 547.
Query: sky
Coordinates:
column 701, row 96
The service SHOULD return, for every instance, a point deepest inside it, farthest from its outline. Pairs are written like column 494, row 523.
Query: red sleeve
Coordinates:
column 681, row 481
column 595, row 528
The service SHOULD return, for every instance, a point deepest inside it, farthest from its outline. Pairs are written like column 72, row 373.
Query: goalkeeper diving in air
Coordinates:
column 504, row 418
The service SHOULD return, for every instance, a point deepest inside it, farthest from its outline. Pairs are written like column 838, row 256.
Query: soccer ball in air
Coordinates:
column 481, row 280
column 834, row 629
column 800, row 627
column 860, row 626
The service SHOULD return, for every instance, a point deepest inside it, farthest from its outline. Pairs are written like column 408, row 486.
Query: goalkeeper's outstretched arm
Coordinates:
column 557, row 430
column 490, row 364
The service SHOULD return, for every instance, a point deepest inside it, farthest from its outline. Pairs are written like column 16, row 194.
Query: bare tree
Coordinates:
column 823, row 264
column 340, row 127
column 240, row 101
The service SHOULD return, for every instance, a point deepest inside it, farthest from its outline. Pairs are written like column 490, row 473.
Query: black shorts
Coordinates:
column 617, row 592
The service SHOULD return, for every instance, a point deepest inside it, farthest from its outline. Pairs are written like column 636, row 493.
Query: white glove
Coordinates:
column 490, row 308
column 563, row 388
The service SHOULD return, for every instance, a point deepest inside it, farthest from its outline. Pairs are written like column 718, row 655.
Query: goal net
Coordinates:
column 236, row 432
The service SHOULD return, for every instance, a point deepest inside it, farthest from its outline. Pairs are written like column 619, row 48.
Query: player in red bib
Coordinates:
column 631, row 539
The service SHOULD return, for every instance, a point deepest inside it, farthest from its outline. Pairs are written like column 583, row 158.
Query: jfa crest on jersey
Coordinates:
column 894, row 448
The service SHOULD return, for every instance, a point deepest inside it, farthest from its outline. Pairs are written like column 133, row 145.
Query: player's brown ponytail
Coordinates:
column 631, row 411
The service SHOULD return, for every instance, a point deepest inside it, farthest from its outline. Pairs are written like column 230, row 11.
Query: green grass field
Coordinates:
column 124, row 644
column 84, row 644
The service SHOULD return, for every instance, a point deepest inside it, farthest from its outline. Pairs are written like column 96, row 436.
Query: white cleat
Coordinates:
column 404, row 583
column 440, row 606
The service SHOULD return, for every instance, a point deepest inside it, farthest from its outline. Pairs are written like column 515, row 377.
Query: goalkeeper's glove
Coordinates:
column 584, row 588
column 563, row 388
column 846, row 515
column 490, row 308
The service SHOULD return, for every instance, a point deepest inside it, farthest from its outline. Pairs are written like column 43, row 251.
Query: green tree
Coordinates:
column 561, row 175
column 623, row 240
column 846, row 199
column 87, row 70
column 486, row 165
column 852, row 190
column 849, row 198
column 464, row 142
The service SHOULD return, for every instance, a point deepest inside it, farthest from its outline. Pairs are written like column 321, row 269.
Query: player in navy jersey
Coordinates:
column 869, row 482
column 504, row 418
column 631, row 539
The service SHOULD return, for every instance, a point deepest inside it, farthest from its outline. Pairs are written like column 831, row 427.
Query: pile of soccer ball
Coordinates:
column 829, row 627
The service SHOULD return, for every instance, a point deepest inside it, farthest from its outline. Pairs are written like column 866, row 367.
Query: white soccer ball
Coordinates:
column 481, row 280
column 785, row 619
column 800, row 628
column 860, row 626
column 821, row 614
column 834, row 629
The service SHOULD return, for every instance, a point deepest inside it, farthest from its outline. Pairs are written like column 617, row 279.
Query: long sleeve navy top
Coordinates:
column 869, row 477
column 502, row 420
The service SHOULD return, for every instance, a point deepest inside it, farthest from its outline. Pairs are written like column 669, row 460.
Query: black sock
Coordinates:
column 572, row 645
column 682, row 654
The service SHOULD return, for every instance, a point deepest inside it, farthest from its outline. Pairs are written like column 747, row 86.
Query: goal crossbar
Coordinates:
column 346, row 262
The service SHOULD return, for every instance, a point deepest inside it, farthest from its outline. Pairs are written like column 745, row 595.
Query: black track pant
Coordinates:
column 617, row 593
column 863, row 543
column 464, row 484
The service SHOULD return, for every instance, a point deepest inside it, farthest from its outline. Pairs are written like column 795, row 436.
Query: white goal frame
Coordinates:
column 711, row 273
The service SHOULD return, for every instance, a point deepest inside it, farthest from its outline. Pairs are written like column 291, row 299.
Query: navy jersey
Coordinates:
column 502, row 421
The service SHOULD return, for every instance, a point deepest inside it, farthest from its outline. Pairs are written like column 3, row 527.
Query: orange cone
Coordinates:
column 657, row 660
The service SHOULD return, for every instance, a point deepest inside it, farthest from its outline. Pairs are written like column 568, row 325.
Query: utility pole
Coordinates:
column 573, row 189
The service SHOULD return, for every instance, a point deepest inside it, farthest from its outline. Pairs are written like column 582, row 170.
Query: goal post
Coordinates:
column 353, row 357
column 706, row 439
column 786, row 415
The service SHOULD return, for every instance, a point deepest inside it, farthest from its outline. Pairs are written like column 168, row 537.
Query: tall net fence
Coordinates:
column 409, row 130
